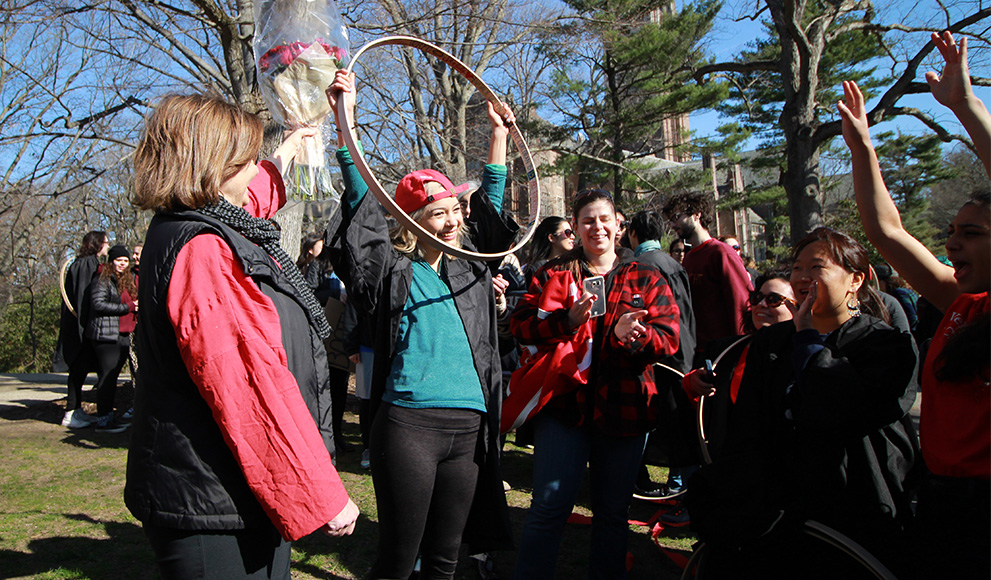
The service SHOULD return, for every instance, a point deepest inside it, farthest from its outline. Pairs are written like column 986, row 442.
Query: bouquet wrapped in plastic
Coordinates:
column 299, row 45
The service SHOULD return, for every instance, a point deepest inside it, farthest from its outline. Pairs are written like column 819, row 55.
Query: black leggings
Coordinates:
column 424, row 470
column 79, row 367
column 110, row 358
column 236, row 554
column 338, row 401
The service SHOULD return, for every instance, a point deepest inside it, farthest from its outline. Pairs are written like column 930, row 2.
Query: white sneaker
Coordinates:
column 366, row 459
column 77, row 419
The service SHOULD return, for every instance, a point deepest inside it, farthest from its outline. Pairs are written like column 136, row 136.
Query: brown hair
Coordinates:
column 574, row 261
column 190, row 145
column 92, row 243
column 124, row 281
column 852, row 257
column 691, row 203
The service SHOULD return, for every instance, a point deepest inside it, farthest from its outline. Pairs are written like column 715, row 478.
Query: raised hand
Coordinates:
column 952, row 88
column 343, row 85
column 856, row 130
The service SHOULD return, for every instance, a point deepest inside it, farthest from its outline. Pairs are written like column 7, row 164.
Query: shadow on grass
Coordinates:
column 354, row 553
column 124, row 554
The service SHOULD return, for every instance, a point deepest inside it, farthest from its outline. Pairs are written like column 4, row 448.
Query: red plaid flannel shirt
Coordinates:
column 621, row 395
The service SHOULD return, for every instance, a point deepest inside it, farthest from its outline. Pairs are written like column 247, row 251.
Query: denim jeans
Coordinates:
column 559, row 458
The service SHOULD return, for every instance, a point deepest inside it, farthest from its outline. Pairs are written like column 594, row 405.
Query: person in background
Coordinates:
column 331, row 294
column 953, row 514
column 677, row 251
column 676, row 427
column 720, row 284
column 895, row 286
column 136, row 258
column 72, row 347
column 623, row 248
column 732, row 242
column 772, row 302
column 227, row 464
column 111, row 320
column 552, row 238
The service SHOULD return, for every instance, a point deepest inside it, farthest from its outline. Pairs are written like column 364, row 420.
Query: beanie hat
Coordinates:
column 411, row 192
column 117, row 252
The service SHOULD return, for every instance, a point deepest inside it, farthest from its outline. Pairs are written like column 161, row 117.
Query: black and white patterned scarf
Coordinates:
column 263, row 234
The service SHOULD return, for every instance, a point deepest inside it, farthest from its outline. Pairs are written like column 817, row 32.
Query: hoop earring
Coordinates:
column 853, row 306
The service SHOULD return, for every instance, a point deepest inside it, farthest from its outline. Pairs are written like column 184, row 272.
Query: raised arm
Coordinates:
column 879, row 215
column 342, row 88
column 953, row 90
column 291, row 143
column 500, row 134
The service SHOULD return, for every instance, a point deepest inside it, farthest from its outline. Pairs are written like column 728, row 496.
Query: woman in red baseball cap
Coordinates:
column 436, row 377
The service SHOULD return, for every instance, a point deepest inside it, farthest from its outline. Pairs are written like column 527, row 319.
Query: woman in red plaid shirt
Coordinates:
column 601, row 414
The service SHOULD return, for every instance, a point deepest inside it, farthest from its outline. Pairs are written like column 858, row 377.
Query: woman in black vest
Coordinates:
column 230, row 453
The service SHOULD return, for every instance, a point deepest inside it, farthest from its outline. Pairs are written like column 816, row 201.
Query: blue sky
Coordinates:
column 730, row 36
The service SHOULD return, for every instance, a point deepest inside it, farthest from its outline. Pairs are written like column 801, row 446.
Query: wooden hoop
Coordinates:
column 351, row 140
column 61, row 287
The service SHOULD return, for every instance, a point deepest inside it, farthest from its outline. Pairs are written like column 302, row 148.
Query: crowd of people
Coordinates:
column 602, row 344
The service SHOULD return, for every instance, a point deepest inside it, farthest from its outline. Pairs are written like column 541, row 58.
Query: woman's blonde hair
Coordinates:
column 190, row 145
column 406, row 241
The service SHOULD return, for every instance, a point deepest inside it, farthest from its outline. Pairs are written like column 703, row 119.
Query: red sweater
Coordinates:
column 955, row 426
column 229, row 336
column 720, row 290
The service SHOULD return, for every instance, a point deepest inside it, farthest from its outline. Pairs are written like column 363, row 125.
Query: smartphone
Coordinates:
column 709, row 374
column 596, row 285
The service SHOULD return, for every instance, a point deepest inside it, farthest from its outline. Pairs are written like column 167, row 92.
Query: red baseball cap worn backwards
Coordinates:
column 411, row 193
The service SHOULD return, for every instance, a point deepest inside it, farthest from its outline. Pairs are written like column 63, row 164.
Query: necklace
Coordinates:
column 596, row 271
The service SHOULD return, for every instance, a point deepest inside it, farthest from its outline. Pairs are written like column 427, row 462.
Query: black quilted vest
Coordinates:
column 180, row 472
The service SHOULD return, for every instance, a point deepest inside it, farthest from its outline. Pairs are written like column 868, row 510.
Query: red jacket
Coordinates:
column 230, row 339
column 619, row 390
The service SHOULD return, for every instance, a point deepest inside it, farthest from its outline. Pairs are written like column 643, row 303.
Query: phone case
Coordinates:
column 596, row 285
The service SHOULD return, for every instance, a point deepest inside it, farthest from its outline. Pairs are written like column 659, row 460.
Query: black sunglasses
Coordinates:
column 772, row 299
column 567, row 233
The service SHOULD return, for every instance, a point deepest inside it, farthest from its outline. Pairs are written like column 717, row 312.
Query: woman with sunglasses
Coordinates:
column 552, row 238
column 601, row 410
column 953, row 513
column 821, row 420
column 772, row 302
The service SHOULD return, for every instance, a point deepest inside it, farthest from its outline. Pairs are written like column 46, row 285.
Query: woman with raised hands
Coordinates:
column 954, row 502
column 228, row 461
column 601, row 379
column 437, row 380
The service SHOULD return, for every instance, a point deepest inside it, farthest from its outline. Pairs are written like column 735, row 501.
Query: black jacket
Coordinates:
column 79, row 275
column 105, row 310
column 378, row 280
column 677, row 279
column 180, row 472
column 834, row 444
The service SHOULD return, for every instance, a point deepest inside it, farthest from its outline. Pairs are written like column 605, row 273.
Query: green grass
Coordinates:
column 62, row 514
